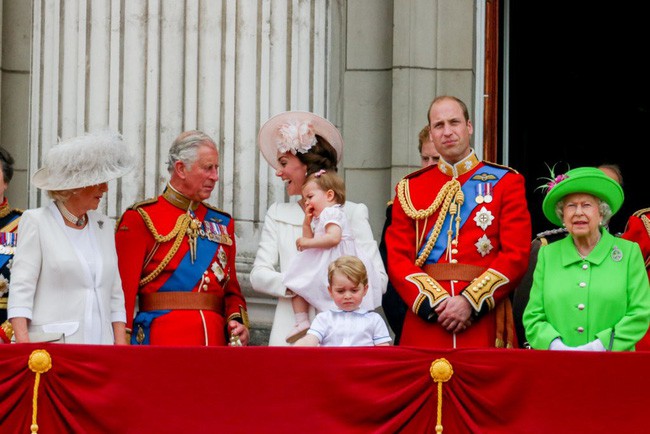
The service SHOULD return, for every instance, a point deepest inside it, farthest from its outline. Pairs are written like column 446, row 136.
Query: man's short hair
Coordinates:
column 185, row 148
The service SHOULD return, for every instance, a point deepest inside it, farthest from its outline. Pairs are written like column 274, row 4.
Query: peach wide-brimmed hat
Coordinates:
column 295, row 132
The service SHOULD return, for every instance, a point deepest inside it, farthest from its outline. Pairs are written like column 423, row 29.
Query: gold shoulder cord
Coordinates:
column 449, row 199
column 179, row 231
column 646, row 223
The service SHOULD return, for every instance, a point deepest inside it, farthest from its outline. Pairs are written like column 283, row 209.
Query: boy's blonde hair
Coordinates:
column 329, row 181
column 351, row 267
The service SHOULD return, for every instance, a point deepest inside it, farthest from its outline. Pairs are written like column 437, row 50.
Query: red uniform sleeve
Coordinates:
column 132, row 241
column 235, row 303
column 636, row 231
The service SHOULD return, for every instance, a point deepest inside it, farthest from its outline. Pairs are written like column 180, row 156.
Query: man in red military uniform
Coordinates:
column 459, row 241
column 176, row 253
column 637, row 229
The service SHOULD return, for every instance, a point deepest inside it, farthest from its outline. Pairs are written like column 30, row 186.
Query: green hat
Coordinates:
column 589, row 180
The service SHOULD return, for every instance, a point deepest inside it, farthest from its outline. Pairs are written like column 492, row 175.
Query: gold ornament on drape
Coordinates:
column 441, row 371
column 39, row 362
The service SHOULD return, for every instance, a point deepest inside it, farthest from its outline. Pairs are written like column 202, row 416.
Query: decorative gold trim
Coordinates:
column 5, row 209
column 7, row 329
column 244, row 315
column 179, row 200
column 449, row 199
column 179, row 230
column 481, row 290
column 462, row 167
column 428, row 288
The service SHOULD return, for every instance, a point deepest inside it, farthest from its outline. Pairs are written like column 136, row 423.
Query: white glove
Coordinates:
column 558, row 345
column 594, row 345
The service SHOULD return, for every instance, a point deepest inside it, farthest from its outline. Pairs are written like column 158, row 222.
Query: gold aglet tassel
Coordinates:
column 192, row 234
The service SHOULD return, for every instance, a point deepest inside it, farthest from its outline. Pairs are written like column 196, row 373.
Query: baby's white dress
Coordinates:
column 306, row 274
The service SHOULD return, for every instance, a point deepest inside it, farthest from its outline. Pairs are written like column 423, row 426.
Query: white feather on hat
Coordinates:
column 81, row 161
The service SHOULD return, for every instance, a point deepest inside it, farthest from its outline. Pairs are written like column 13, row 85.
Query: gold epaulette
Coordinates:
column 640, row 212
column 419, row 172
column 214, row 208
column 142, row 203
column 490, row 163
column 135, row 206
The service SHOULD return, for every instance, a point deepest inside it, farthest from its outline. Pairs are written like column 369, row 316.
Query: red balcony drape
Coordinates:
column 104, row 389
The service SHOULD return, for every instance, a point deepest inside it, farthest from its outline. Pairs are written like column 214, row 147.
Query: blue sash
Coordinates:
column 469, row 190
column 184, row 278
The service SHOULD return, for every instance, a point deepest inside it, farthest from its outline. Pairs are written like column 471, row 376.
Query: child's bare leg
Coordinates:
column 301, row 311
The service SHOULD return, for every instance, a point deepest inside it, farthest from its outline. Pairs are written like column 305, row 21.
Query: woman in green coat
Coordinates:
column 590, row 290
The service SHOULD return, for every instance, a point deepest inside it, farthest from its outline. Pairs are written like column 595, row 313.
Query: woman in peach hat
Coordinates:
column 297, row 144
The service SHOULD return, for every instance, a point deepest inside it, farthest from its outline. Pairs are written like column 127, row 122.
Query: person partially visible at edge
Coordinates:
column 590, row 289
column 392, row 304
column 9, row 219
column 320, row 147
column 177, row 256
column 347, row 324
column 459, row 241
column 65, row 285
column 615, row 226
column 637, row 229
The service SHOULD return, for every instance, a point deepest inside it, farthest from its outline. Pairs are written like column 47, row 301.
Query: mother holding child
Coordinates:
column 298, row 144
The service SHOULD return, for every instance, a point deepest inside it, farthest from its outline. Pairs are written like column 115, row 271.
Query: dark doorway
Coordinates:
column 580, row 94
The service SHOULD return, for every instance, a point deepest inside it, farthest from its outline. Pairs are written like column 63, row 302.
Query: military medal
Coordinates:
column 218, row 271
column 479, row 193
column 488, row 192
column 483, row 245
column 483, row 218
column 223, row 258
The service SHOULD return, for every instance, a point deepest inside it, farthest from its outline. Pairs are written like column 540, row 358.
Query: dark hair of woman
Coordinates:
column 7, row 162
column 321, row 156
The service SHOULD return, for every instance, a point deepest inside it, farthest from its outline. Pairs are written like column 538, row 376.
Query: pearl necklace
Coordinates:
column 77, row 221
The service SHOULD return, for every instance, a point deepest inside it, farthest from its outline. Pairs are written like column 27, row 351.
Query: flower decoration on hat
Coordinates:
column 551, row 181
column 296, row 137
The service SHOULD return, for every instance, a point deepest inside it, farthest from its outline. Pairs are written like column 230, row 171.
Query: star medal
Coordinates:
column 483, row 245
column 488, row 192
column 479, row 193
column 483, row 218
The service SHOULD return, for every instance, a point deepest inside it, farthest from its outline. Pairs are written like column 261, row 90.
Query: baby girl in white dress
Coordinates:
column 329, row 239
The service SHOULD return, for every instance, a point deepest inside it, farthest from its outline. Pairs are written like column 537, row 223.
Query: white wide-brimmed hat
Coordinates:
column 81, row 161
column 295, row 131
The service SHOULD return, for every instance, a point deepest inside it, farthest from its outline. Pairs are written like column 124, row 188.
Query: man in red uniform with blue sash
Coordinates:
column 176, row 253
column 459, row 241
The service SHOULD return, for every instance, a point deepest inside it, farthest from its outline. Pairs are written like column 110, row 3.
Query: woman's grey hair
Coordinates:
column 603, row 207
column 185, row 148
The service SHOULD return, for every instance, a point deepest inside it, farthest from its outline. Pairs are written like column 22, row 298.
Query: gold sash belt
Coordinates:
column 180, row 301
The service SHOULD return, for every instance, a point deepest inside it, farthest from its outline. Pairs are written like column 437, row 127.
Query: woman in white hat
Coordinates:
column 65, row 285
column 297, row 144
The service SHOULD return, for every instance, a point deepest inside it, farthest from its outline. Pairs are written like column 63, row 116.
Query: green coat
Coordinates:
column 603, row 296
